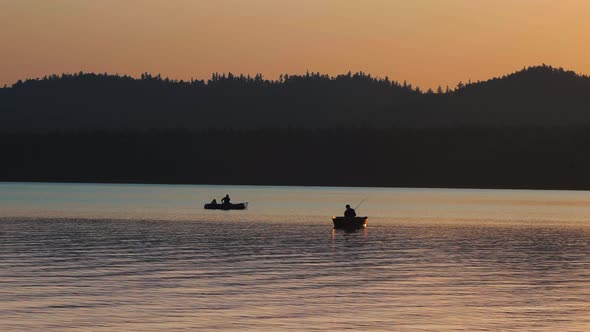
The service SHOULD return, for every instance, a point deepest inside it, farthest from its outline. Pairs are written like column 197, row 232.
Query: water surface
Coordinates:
column 149, row 258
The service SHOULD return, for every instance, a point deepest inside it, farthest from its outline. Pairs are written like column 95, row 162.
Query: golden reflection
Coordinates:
column 365, row 232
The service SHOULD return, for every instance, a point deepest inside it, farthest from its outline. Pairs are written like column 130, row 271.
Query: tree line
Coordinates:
column 540, row 96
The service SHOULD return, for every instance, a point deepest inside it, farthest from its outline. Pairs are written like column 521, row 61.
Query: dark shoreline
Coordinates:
column 286, row 185
column 465, row 158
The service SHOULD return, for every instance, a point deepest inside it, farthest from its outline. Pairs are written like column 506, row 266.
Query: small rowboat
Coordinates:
column 350, row 223
column 230, row 206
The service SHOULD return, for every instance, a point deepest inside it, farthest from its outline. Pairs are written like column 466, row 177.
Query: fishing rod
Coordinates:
column 364, row 200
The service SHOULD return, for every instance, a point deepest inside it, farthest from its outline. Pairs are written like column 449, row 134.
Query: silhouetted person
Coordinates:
column 214, row 202
column 349, row 213
column 225, row 200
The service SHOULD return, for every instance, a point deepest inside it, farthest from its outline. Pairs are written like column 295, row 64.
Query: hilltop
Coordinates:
column 539, row 96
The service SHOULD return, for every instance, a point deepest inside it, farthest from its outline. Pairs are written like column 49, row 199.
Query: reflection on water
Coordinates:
column 271, row 272
column 159, row 275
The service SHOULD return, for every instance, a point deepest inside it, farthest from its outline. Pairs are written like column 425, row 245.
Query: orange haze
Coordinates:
column 427, row 42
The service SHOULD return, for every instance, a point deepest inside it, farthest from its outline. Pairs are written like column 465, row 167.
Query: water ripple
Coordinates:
column 148, row 275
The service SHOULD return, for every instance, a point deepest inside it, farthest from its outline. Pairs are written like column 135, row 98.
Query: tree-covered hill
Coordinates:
column 536, row 96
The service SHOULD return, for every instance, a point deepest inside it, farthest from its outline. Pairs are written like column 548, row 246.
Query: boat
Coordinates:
column 350, row 223
column 228, row 206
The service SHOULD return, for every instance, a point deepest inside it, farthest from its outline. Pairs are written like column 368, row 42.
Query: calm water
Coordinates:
column 149, row 258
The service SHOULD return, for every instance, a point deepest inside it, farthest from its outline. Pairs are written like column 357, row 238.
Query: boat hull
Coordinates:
column 226, row 207
column 350, row 223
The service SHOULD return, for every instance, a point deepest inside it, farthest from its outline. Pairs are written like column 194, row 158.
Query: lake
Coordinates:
column 115, row 257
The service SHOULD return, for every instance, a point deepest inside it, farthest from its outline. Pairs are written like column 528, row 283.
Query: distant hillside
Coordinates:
column 536, row 96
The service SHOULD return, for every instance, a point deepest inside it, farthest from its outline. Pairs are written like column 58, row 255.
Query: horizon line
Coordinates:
column 331, row 76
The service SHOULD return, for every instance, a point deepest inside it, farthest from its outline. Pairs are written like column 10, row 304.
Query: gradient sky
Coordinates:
column 427, row 42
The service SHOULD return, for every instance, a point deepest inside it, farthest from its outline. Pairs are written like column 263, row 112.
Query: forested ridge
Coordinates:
column 535, row 96
column 529, row 129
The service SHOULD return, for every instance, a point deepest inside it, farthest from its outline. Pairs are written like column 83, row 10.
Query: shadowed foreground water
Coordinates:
column 122, row 275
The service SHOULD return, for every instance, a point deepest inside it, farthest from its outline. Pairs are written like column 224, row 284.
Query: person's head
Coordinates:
column 347, row 206
column 226, row 195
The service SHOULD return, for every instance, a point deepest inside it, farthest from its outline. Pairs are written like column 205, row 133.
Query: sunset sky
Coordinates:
column 426, row 42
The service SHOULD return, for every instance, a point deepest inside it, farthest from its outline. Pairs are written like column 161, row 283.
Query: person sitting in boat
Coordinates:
column 349, row 213
column 214, row 202
column 225, row 200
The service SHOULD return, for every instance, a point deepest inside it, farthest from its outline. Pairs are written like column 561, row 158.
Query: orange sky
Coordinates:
column 427, row 42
